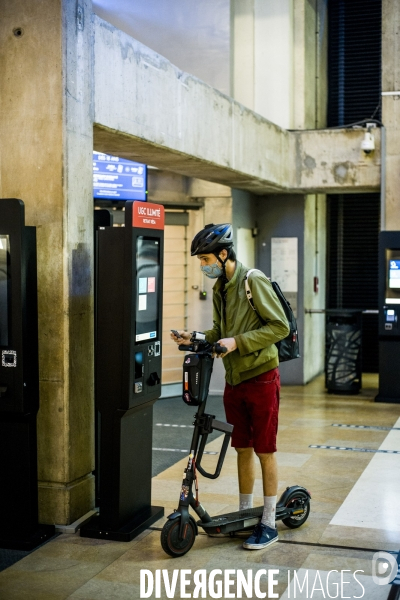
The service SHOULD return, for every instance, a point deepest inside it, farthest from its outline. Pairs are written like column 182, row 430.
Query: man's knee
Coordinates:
column 265, row 457
column 244, row 451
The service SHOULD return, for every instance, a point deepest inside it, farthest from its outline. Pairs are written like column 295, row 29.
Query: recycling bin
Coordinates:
column 343, row 351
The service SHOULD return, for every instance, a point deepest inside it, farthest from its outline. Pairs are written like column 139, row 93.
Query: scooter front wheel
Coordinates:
column 170, row 541
column 299, row 501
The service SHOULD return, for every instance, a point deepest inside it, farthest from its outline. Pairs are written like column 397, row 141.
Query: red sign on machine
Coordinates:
column 149, row 216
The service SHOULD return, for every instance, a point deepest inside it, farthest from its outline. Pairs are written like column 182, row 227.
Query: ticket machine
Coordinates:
column 128, row 370
column 19, row 381
column 389, row 317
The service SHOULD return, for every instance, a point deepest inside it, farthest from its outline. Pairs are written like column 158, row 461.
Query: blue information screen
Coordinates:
column 118, row 179
column 394, row 273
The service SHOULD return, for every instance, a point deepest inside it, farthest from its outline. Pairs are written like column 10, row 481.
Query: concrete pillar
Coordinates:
column 46, row 137
column 310, row 105
column 391, row 111
column 279, row 69
column 310, row 63
column 262, row 57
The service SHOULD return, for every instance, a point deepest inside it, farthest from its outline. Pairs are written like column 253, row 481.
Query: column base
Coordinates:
column 127, row 532
column 388, row 399
column 25, row 540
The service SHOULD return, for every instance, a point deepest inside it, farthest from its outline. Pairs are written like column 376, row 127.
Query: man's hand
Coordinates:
column 183, row 339
column 230, row 345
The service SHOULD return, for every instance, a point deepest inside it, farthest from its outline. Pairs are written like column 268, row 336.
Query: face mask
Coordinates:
column 212, row 271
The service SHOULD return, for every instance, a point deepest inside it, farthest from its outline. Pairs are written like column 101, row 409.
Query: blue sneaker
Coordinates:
column 261, row 537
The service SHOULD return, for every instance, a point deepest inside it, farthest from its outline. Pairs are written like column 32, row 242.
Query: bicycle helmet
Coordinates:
column 212, row 239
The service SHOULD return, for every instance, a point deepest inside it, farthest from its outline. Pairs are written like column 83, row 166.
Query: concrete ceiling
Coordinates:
column 193, row 35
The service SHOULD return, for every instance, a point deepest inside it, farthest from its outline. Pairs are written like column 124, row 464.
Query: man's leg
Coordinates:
column 262, row 401
column 269, row 470
column 265, row 533
column 246, row 469
column 237, row 415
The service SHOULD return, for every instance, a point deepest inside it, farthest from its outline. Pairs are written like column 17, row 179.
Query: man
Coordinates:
column 251, row 396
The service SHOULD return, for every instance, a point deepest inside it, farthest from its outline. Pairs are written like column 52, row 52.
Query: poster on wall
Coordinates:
column 284, row 267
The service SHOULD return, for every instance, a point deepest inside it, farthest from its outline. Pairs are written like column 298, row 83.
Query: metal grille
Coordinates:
column 354, row 60
column 353, row 237
column 353, row 250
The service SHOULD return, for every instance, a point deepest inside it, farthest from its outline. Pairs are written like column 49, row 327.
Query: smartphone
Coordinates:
column 176, row 333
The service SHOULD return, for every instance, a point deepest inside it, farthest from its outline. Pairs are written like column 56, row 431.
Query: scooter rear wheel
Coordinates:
column 170, row 541
column 298, row 500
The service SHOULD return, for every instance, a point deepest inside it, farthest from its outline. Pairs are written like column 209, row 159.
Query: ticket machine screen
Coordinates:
column 393, row 276
column 394, row 273
column 4, row 278
column 147, row 288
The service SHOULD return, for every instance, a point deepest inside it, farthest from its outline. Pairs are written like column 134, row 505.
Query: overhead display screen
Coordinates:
column 115, row 178
column 147, row 288
column 4, row 279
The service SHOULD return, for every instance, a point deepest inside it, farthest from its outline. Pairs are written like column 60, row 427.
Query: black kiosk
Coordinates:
column 389, row 317
column 128, row 370
column 19, row 382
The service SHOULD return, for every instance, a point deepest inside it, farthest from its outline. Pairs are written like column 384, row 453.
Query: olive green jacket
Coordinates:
column 256, row 352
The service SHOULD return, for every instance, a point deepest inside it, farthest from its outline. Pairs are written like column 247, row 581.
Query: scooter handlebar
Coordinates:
column 203, row 347
column 219, row 349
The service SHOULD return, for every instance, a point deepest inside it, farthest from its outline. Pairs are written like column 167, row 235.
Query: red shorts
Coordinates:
column 252, row 408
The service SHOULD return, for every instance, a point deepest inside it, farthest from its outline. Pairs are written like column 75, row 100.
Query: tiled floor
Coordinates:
column 353, row 514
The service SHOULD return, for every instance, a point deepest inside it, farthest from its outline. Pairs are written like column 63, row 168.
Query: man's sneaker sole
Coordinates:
column 259, row 546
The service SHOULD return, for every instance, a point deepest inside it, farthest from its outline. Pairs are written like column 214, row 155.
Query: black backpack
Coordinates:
column 288, row 348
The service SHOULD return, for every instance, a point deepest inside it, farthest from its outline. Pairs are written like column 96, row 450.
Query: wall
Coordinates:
column 262, row 57
column 243, row 211
column 296, row 216
column 283, row 216
column 167, row 26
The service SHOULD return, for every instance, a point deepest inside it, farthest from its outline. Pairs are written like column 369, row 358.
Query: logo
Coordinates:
column 147, row 215
column 384, row 568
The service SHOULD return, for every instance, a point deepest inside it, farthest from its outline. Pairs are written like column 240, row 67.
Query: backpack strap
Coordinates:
column 249, row 295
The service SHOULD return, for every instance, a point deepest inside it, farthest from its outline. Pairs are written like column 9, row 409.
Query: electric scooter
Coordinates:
column 179, row 532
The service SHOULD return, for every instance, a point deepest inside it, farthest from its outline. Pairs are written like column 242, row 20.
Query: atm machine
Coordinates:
column 19, row 382
column 129, row 278
column 389, row 317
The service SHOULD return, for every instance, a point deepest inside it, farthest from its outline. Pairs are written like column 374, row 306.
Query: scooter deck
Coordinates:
column 234, row 521
column 239, row 520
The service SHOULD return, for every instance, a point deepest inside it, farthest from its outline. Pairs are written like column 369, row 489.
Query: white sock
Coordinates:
column 268, row 517
column 245, row 501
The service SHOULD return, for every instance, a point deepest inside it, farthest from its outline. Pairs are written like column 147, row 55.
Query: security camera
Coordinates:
column 368, row 143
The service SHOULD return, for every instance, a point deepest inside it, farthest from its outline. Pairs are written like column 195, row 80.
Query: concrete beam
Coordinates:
column 330, row 161
column 146, row 109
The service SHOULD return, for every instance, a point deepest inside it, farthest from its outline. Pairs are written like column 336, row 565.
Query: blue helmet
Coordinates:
column 212, row 239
